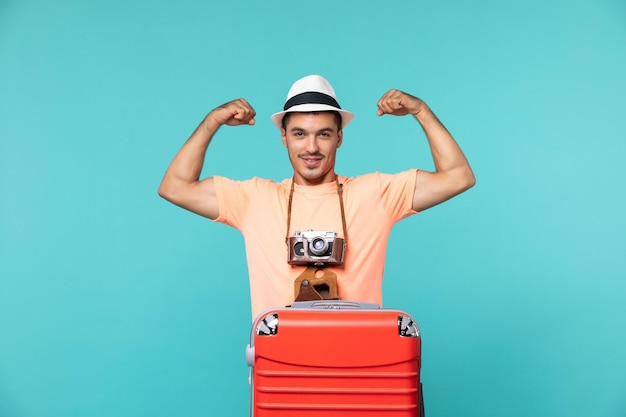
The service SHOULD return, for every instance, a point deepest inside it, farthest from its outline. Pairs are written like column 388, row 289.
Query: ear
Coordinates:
column 339, row 138
column 283, row 136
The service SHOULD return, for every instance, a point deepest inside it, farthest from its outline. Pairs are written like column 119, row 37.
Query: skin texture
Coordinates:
column 312, row 140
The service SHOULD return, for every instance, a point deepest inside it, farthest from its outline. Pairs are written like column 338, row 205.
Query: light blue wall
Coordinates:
column 115, row 303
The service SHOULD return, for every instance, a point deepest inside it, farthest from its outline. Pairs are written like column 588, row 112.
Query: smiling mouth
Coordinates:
column 311, row 160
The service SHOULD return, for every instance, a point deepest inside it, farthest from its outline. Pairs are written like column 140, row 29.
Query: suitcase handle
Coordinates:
column 335, row 305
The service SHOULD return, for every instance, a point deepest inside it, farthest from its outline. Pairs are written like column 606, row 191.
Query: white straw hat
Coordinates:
column 311, row 94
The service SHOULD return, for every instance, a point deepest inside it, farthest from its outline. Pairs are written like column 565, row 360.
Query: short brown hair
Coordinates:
column 338, row 119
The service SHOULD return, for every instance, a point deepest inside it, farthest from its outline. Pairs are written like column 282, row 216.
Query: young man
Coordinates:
column 360, row 210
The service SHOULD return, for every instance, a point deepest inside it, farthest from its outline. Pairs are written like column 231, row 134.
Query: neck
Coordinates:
column 300, row 180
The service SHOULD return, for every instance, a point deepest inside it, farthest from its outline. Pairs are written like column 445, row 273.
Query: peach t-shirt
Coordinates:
column 258, row 208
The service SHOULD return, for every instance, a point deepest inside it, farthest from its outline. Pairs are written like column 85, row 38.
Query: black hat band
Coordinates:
column 311, row 97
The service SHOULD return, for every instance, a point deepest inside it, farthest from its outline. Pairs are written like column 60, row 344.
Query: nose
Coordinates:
column 311, row 144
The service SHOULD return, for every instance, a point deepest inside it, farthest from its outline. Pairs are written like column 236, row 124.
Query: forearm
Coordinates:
column 188, row 162
column 186, row 167
column 447, row 155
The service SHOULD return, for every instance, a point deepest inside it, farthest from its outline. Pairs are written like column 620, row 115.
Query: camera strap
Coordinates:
column 343, row 214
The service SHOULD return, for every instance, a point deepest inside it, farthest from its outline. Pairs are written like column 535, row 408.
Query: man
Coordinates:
column 360, row 210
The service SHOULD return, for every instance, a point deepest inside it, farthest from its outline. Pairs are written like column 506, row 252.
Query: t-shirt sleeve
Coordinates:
column 396, row 193
column 232, row 200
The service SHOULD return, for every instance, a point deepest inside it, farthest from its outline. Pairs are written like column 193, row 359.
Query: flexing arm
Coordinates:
column 181, row 184
column 453, row 174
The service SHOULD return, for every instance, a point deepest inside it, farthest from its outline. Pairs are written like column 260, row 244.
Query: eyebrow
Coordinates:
column 300, row 129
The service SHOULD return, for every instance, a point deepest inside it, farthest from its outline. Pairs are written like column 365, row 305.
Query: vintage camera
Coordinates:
column 315, row 247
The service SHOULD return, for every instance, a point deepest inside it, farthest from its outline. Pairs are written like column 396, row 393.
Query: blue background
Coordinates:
column 114, row 302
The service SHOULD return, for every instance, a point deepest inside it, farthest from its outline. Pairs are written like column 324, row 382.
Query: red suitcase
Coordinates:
column 335, row 358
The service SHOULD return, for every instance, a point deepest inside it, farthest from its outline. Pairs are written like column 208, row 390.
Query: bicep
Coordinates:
column 199, row 197
column 432, row 188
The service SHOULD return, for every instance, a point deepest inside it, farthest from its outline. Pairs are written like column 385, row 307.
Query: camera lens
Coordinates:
column 318, row 246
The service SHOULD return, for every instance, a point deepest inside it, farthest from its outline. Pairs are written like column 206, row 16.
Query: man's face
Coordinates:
column 312, row 140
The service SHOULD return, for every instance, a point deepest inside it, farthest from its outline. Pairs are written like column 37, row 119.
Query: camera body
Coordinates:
column 316, row 248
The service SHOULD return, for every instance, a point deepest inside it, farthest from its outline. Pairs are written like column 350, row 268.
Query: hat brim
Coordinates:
column 346, row 116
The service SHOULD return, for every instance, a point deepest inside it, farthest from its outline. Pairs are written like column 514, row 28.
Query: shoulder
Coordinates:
column 382, row 186
column 268, row 184
column 379, row 179
column 251, row 185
